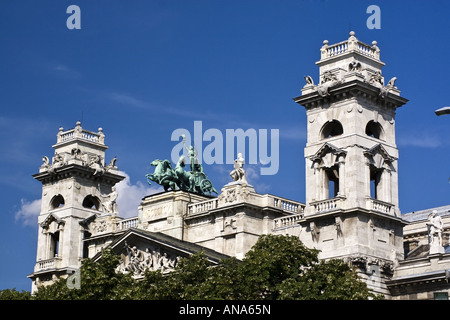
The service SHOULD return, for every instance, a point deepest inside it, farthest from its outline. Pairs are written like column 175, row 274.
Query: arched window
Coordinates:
column 375, row 130
column 91, row 202
column 331, row 129
column 57, row 202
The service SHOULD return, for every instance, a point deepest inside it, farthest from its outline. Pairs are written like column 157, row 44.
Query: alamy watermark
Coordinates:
column 374, row 20
column 213, row 147
column 74, row 280
column 74, row 20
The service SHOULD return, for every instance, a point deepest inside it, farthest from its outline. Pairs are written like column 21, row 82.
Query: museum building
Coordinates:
column 351, row 209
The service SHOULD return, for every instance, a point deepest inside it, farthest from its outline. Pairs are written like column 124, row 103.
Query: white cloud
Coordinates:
column 28, row 212
column 128, row 100
column 62, row 71
column 421, row 140
column 130, row 195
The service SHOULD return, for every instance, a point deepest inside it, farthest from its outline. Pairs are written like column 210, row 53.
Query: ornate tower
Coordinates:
column 76, row 186
column 351, row 160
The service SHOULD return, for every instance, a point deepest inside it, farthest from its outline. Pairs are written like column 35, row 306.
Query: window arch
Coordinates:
column 91, row 202
column 57, row 202
column 375, row 130
column 332, row 129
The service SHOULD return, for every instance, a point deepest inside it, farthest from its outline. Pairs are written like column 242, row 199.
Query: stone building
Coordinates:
column 351, row 210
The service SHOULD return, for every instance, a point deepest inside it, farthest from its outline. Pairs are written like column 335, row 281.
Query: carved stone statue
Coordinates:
column 391, row 83
column 238, row 173
column 45, row 162
column 309, row 81
column 376, row 79
column 354, row 66
column 96, row 164
column 110, row 206
column 58, row 161
column 329, row 80
column 435, row 226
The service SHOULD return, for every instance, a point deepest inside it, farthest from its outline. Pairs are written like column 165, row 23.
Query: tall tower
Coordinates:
column 75, row 185
column 351, row 160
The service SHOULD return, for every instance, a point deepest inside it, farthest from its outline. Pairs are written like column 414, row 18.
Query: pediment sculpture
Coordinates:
column 152, row 258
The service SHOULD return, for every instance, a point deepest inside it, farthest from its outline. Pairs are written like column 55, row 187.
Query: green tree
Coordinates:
column 277, row 267
column 271, row 261
column 326, row 280
column 98, row 281
column 13, row 294
column 222, row 282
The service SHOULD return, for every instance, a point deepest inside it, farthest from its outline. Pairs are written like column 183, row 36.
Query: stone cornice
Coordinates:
column 72, row 170
column 345, row 90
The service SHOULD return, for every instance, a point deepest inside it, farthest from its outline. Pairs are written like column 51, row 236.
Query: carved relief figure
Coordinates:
column 95, row 163
column 329, row 80
column 58, row 161
column 354, row 66
column 137, row 261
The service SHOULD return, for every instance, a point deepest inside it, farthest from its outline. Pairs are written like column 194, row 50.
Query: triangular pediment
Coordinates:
column 328, row 154
column 140, row 250
column 49, row 219
column 378, row 155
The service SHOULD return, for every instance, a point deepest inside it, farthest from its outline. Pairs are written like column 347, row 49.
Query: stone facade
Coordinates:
column 424, row 273
column 351, row 210
column 76, row 186
column 351, row 161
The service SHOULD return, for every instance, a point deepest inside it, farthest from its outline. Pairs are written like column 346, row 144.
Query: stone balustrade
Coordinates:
column 326, row 205
column 352, row 44
column 79, row 132
column 255, row 199
column 48, row 264
column 287, row 221
column 288, row 205
column 127, row 223
column 203, row 206
column 381, row 206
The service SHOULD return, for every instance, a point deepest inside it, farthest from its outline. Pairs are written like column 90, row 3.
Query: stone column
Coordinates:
column 341, row 164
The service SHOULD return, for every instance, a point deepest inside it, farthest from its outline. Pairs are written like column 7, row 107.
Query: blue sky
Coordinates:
column 141, row 69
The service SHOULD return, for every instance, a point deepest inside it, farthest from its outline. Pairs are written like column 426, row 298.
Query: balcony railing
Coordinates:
column 381, row 206
column 255, row 199
column 201, row 207
column 127, row 223
column 287, row 221
column 350, row 45
column 80, row 133
column 48, row 264
column 326, row 205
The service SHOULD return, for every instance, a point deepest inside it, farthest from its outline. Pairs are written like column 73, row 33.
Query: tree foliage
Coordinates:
column 13, row 294
column 277, row 267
